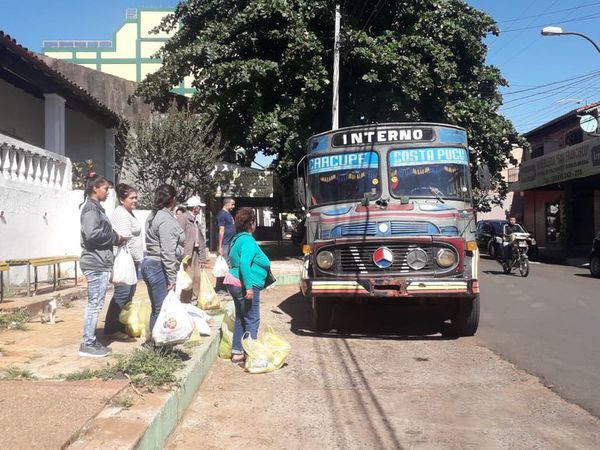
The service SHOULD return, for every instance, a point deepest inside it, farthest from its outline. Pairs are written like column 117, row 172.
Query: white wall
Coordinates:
column 84, row 139
column 38, row 221
column 21, row 115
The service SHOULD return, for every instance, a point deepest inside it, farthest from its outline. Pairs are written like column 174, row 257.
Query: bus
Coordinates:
column 389, row 217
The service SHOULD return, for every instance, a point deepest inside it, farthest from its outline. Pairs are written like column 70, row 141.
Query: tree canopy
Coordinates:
column 263, row 71
column 178, row 148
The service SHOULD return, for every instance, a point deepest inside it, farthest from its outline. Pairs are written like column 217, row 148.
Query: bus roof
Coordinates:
column 388, row 125
column 388, row 134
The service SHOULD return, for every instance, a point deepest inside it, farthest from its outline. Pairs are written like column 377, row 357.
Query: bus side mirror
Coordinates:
column 483, row 177
column 300, row 190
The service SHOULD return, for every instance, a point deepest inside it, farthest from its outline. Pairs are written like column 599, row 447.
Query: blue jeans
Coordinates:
column 121, row 296
column 247, row 316
column 155, row 278
column 97, row 285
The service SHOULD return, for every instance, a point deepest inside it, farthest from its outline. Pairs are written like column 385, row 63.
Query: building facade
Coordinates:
column 46, row 121
column 130, row 52
column 559, row 182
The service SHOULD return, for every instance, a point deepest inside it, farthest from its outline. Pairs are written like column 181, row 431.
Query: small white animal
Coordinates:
column 49, row 312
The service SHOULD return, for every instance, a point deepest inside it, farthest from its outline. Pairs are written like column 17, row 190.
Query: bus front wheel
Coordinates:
column 322, row 309
column 465, row 319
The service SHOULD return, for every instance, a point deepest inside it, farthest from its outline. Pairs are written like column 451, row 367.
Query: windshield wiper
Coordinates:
column 437, row 193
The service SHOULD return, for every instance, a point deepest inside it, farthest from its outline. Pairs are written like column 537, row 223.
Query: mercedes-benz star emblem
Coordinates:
column 417, row 259
column 383, row 257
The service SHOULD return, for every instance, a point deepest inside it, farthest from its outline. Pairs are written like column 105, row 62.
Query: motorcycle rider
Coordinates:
column 511, row 227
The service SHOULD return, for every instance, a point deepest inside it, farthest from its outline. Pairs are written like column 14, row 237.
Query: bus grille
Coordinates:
column 354, row 259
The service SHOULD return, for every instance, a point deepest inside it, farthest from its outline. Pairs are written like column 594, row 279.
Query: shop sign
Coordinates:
column 576, row 161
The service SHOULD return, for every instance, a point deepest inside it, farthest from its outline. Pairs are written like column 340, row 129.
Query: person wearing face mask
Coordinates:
column 127, row 225
column 97, row 241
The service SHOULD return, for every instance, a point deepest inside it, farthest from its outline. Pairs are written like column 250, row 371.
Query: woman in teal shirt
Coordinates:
column 248, row 271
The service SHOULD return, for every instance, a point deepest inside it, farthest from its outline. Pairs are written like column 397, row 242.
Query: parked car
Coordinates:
column 489, row 237
column 595, row 257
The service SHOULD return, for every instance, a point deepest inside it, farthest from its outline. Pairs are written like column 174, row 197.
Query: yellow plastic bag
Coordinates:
column 226, row 342
column 183, row 280
column 228, row 309
column 207, row 299
column 144, row 312
column 136, row 318
column 279, row 347
column 129, row 316
column 259, row 358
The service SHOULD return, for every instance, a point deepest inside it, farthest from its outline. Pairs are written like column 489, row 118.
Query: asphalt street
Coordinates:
column 380, row 381
column 547, row 324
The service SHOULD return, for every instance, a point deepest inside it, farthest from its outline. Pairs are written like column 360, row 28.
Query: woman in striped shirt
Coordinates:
column 125, row 223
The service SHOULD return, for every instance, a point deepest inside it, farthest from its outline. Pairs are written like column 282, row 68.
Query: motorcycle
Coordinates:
column 519, row 259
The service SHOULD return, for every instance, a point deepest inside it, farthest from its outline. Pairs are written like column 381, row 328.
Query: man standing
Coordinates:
column 195, row 245
column 226, row 233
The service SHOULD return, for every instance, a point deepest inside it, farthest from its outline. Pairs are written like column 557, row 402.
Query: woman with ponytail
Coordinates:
column 97, row 241
column 164, row 248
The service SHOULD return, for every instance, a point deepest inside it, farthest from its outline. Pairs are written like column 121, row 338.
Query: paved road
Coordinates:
column 379, row 386
column 547, row 324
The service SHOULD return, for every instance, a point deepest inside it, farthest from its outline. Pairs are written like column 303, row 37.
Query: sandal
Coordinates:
column 238, row 358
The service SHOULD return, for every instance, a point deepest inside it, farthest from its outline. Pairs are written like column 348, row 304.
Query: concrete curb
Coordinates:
column 173, row 409
column 286, row 279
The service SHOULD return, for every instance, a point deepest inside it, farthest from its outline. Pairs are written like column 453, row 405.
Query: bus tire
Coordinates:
column 465, row 320
column 322, row 309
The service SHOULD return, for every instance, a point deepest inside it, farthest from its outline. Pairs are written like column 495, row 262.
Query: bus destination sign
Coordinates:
column 384, row 136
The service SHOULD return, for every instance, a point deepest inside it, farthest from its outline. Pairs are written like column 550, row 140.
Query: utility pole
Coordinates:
column 336, row 70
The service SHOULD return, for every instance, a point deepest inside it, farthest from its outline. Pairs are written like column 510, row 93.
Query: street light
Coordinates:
column 557, row 31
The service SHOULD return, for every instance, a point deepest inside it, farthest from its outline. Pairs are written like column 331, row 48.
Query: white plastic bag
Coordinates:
column 124, row 268
column 200, row 319
column 183, row 282
column 221, row 268
column 173, row 325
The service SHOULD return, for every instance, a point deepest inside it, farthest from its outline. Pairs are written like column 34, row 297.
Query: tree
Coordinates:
column 179, row 148
column 263, row 70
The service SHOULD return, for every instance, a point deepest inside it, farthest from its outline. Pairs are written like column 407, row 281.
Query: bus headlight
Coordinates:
column 325, row 260
column 445, row 258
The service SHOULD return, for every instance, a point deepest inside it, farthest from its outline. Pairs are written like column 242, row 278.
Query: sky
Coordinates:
column 548, row 76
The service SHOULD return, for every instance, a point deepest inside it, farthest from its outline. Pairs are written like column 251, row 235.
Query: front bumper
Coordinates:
column 391, row 287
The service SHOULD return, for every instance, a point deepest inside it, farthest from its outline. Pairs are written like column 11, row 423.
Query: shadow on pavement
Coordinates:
column 369, row 321
column 283, row 250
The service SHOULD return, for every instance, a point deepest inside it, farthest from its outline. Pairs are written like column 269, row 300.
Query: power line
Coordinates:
column 596, row 72
column 577, row 19
column 548, row 13
column 555, row 90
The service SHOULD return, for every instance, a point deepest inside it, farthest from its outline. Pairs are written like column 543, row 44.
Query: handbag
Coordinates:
column 270, row 279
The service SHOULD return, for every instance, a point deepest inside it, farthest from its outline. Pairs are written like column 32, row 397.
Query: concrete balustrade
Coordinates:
column 23, row 162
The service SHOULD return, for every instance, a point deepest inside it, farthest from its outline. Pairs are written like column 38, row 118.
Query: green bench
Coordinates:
column 54, row 261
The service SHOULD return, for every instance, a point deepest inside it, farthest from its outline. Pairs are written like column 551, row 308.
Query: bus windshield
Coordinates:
column 430, row 172
column 343, row 177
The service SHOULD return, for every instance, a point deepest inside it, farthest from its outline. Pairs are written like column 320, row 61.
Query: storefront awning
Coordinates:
column 569, row 163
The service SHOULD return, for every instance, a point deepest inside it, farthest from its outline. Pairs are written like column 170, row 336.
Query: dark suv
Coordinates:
column 487, row 234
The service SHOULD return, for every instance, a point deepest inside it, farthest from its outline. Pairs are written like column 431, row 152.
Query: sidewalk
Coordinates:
column 46, row 411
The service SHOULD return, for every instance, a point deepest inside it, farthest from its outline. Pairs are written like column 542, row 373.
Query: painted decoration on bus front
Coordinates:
column 343, row 161
column 418, row 156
